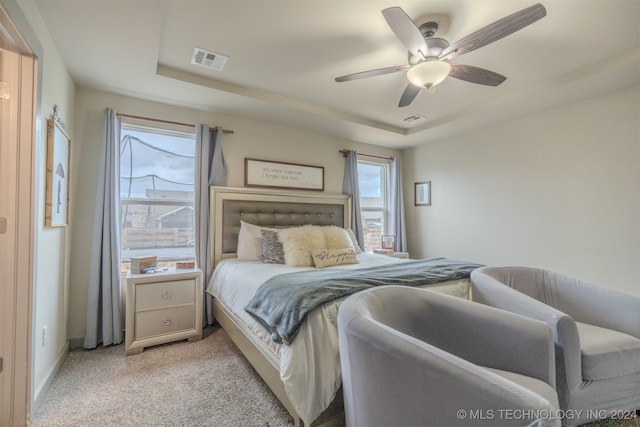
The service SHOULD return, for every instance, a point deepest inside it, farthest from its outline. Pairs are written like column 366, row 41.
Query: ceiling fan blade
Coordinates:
column 372, row 73
column 495, row 31
column 408, row 95
column 405, row 29
column 477, row 75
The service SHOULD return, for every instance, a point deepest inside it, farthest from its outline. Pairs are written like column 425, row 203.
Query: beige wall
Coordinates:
column 51, row 275
column 558, row 190
column 251, row 139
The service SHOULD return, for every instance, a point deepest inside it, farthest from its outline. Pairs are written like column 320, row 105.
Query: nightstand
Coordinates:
column 163, row 307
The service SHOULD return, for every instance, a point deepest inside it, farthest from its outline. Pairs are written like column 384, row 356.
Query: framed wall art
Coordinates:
column 273, row 174
column 57, row 192
column 422, row 193
column 388, row 241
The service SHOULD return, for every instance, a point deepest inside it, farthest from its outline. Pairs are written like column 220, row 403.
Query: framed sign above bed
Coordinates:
column 273, row 174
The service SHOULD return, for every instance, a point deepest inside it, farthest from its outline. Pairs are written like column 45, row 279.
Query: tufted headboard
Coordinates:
column 270, row 208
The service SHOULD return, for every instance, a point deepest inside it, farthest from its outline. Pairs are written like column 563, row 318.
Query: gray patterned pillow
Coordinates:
column 272, row 252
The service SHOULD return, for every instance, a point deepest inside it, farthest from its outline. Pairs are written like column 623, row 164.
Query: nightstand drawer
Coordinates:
column 165, row 294
column 166, row 321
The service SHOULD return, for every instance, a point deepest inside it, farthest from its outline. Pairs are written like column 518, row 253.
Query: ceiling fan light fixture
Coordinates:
column 428, row 74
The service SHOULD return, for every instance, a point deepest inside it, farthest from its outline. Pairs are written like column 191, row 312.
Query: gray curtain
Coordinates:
column 211, row 169
column 351, row 187
column 104, row 319
column 396, row 220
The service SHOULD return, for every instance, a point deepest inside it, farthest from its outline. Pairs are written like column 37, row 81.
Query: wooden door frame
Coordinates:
column 19, row 213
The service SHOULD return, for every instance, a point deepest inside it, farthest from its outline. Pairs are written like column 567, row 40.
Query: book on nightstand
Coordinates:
column 383, row 251
column 185, row 264
column 143, row 264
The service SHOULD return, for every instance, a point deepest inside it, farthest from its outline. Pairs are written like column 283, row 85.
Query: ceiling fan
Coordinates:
column 428, row 56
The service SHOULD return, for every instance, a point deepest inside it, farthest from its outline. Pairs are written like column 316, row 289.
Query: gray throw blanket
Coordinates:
column 282, row 303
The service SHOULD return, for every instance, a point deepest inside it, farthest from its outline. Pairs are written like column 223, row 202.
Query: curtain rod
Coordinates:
column 227, row 131
column 345, row 152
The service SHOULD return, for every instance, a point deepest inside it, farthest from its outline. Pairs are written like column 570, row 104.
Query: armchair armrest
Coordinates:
column 508, row 341
column 407, row 368
column 487, row 290
column 595, row 305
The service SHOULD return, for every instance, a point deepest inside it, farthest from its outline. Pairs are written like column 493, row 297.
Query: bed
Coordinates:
column 304, row 374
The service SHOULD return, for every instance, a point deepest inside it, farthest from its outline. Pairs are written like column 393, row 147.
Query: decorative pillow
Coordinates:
column 272, row 252
column 329, row 257
column 297, row 242
column 354, row 241
column 249, row 242
column 337, row 237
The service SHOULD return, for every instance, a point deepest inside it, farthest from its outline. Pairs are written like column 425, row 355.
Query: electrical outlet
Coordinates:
column 45, row 335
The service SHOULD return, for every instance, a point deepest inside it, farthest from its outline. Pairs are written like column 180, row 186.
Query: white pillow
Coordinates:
column 330, row 257
column 249, row 242
column 337, row 237
column 297, row 243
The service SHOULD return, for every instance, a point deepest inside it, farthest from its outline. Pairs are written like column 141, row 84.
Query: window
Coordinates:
column 373, row 179
column 156, row 194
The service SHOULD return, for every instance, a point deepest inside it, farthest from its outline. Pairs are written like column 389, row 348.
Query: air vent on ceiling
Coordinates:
column 212, row 60
column 413, row 119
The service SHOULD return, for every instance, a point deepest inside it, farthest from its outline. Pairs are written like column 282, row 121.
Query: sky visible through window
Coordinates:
column 163, row 162
column 369, row 180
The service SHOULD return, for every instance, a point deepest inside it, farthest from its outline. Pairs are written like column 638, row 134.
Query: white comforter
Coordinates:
column 310, row 366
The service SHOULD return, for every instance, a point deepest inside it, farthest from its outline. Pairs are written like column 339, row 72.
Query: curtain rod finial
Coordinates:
column 346, row 152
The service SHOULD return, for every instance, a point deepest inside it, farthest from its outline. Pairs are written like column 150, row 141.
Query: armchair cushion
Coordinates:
column 607, row 353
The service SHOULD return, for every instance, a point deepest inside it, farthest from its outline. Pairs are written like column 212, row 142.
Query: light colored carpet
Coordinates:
column 204, row 383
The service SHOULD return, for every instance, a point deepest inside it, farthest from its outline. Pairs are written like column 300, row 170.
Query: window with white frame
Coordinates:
column 373, row 180
column 156, row 192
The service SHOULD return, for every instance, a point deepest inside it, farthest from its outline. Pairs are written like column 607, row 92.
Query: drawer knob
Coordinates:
column 166, row 295
column 167, row 321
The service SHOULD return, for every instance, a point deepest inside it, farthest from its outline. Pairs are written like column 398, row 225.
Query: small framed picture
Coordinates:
column 57, row 189
column 422, row 193
column 388, row 241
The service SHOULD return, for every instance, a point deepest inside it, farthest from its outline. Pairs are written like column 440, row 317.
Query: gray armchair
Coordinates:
column 596, row 332
column 414, row 357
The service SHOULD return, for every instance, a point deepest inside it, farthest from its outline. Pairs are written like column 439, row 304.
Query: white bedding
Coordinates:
column 310, row 366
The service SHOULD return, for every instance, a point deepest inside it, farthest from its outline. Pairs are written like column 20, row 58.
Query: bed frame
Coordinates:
column 270, row 208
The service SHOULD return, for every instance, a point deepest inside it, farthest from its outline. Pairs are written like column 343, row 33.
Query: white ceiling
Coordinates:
column 284, row 57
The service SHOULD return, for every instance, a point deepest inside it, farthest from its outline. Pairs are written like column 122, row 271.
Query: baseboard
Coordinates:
column 41, row 392
column 75, row 343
